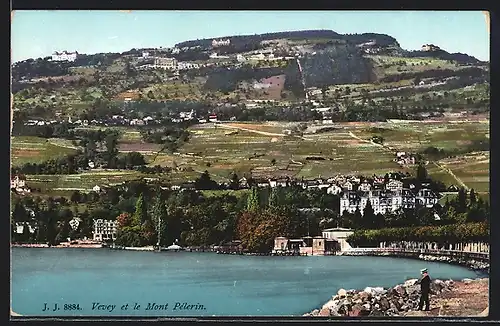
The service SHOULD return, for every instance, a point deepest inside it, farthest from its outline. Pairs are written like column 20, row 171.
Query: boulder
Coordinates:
column 325, row 312
column 384, row 303
column 365, row 296
column 376, row 313
column 342, row 293
column 410, row 282
column 358, row 310
column 413, row 289
column 399, row 290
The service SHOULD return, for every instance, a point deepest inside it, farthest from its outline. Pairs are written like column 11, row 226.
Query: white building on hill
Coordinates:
column 64, row 56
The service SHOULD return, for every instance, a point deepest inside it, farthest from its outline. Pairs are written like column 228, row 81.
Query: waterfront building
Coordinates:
column 310, row 246
column 384, row 201
column 340, row 235
column 104, row 230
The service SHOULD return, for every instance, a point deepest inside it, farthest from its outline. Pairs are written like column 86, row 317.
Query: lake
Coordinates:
column 105, row 282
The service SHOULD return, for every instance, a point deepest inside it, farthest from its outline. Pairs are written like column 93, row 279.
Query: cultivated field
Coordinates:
column 25, row 149
column 263, row 150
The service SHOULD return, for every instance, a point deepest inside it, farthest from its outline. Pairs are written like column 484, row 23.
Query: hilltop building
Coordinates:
column 430, row 47
column 221, row 42
column 65, row 56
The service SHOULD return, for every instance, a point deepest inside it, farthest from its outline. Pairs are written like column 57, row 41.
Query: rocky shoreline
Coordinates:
column 402, row 300
column 471, row 263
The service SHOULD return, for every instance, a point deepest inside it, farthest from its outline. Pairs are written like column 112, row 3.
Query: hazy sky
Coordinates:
column 39, row 33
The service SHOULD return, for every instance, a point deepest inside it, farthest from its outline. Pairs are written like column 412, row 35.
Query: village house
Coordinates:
column 74, row 223
column 96, row 188
column 18, row 182
column 365, row 186
column 334, row 190
column 403, row 158
column 348, row 186
column 394, row 185
column 104, row 230
column 19, row 229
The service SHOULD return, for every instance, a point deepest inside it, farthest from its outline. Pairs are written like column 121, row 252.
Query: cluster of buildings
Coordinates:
column 404, row 158
column 65, row 56
column 430, row 47
column 168, row 63
column 18, row 184
column 332, row 241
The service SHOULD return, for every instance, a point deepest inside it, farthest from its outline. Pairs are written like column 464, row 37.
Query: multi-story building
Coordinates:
column 187, row 65
column 383, row 201
column 165, row 63
column 104, row 230
column 64, row 56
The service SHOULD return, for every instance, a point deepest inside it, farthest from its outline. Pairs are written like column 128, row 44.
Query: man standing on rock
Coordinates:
column 425, row 287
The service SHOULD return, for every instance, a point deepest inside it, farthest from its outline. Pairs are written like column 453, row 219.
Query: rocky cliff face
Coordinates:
column 338, row 64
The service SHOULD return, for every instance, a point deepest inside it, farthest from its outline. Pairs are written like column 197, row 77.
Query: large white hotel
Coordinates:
column 386, row 201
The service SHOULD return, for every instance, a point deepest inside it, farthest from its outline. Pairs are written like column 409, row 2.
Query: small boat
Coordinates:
column 174, row 247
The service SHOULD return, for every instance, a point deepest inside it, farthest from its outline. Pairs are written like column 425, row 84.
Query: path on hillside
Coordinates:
column 367, row 141
column 265, row 133
column 443, row 168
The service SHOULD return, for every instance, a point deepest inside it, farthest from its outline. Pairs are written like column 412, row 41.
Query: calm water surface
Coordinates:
column 225, row 285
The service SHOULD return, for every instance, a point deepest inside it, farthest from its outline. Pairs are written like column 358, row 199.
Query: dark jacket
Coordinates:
column 425, row 283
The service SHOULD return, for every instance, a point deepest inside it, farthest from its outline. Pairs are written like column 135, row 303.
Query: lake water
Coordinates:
column 214, row 285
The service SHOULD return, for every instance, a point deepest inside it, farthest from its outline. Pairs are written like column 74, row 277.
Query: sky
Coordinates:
column 38, row 33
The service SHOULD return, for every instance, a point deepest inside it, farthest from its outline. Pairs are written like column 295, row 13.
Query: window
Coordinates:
column 319, row 244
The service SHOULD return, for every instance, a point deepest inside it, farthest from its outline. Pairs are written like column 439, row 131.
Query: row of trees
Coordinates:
column 256, row 216
column 442, row 235
column 74, row 163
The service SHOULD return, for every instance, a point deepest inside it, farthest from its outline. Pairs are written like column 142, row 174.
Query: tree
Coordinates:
column 461, row 202
column 472, row 197
column 76, row 197
column 235, row 182
column 253, row 199
column 368, row 216
column 274, row 197
column 204, row 182
column 124, row 220
column 141, row 212
column 160, row 218
column 421, row 173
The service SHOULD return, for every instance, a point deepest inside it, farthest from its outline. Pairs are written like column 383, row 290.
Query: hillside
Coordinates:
column 342, row 70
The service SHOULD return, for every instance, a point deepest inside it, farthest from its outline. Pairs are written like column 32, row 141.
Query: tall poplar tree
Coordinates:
column 253, row 201
column 141, row 211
